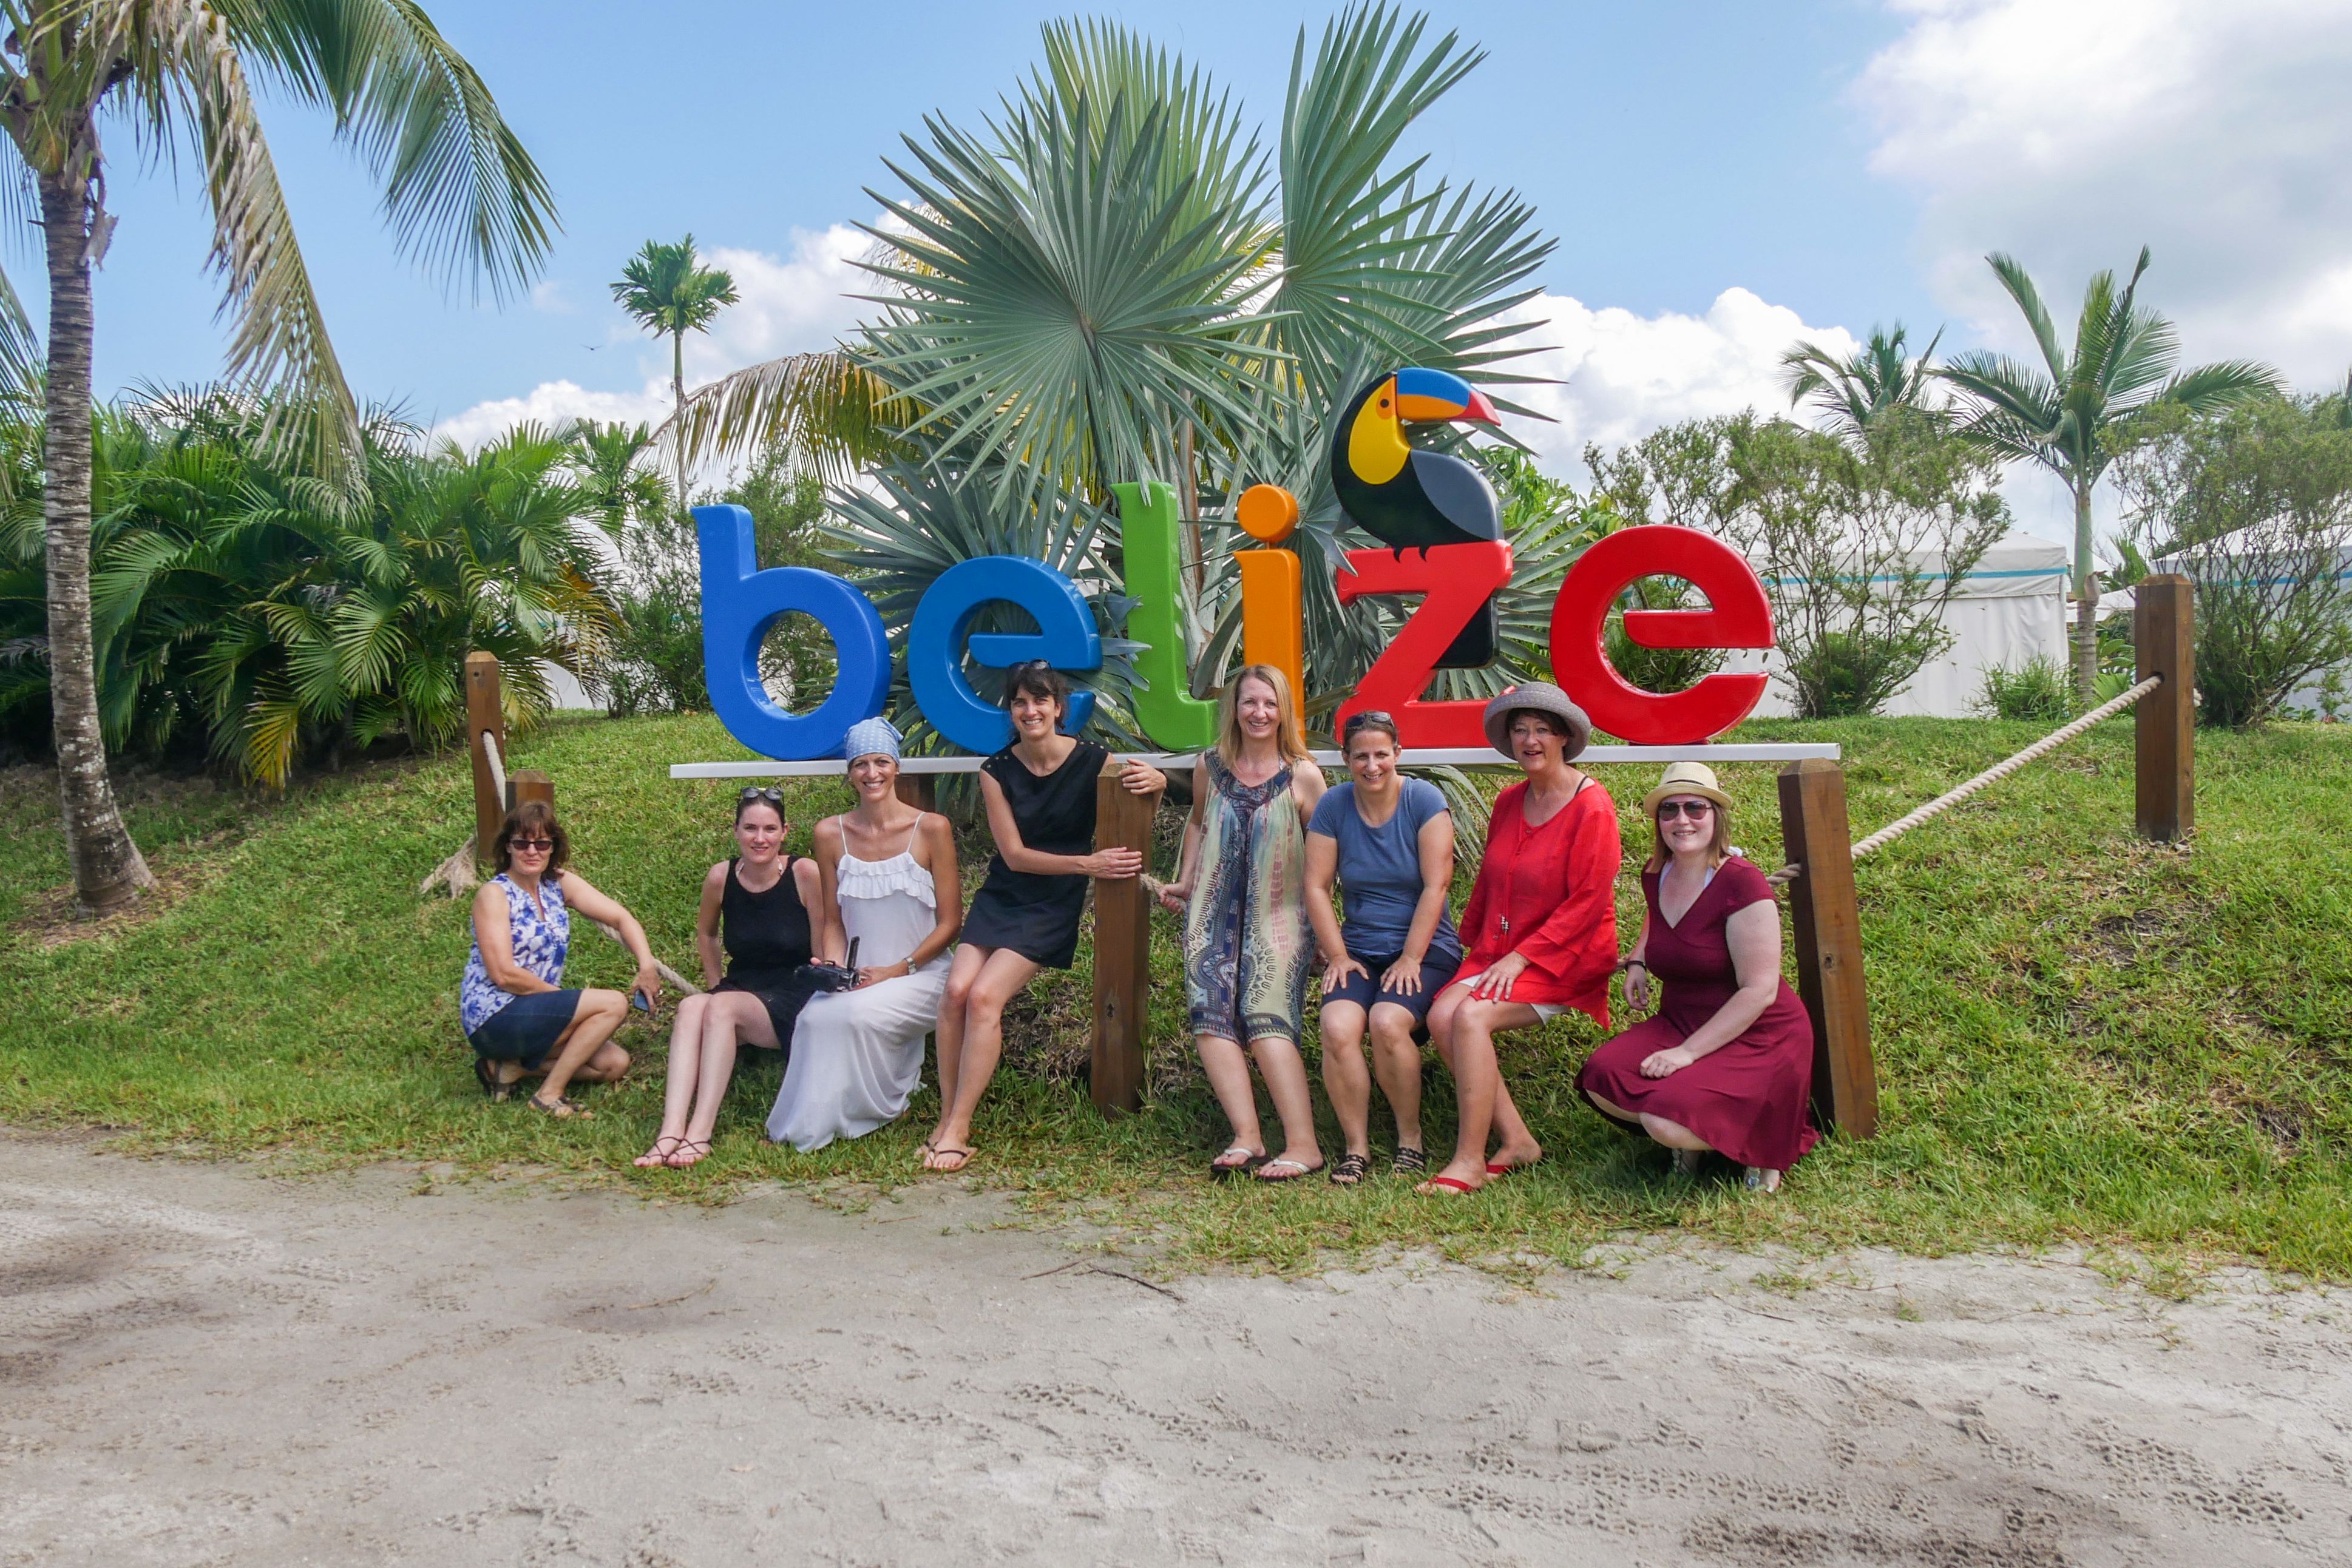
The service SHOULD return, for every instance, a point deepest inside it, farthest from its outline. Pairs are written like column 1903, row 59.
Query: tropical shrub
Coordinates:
column 248, row 607
column 2254, row 505
column 2040, row 688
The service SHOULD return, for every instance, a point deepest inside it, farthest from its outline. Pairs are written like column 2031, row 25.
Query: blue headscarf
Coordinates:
column 870, row 736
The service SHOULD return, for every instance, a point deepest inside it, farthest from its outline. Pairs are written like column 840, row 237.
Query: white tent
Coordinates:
column 2238, row 548
column 2011, row 606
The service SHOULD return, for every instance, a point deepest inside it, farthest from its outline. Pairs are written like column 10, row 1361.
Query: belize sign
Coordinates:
column 1442, row 528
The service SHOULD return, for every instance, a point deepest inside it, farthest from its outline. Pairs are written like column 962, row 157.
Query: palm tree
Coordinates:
column 459, row 191
column 1852, row 391
column 667, row 291
column 2075, row 417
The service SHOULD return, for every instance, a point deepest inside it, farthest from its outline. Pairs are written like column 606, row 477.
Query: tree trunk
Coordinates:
column 107, row 869
column 677, row 392
column 2086, row 600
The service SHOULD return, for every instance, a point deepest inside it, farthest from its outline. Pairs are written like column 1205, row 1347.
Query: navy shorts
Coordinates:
column 1436, row 970
column 526, row 1029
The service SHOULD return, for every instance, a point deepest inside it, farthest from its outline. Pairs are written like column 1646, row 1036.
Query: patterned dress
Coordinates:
column 542, row 935
column 1246, row 940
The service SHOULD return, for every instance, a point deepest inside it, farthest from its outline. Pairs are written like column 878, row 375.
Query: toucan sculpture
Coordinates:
column 1412, row 499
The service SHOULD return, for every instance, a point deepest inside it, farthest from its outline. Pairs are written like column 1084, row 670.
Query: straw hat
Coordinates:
column 1686, row 779
column 1543, row 697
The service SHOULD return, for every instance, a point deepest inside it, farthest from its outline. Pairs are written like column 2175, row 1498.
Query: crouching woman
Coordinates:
column 515, row 1013
column 1728, row 1062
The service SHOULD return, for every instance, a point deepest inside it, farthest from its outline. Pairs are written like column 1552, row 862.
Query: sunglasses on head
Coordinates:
column 1695, row 809
column 1357, row 721
column 771, row 794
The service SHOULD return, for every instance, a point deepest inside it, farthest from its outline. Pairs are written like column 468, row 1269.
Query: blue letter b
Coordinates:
column 739, row 604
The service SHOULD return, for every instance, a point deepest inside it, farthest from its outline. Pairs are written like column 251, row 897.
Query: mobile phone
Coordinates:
column 637, row 1000
column 850, row 963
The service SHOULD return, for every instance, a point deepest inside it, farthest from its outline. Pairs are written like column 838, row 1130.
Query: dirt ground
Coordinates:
column 205, row 1364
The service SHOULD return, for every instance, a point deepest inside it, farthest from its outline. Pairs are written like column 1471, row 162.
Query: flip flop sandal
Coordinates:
column 1349, row 1170
column 686, row 1145
column 1435, row 1185
column 942, row 1150
column 1292, row 1168
column 488, row 1077
column 1499, row 1170
column 656, row 1158
column 1408, row 1161
column 1220, row 1171
column 1687, row 1162
column 564, row 1109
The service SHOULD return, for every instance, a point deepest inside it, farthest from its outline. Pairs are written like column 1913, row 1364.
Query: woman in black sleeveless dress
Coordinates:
column 757, row 905
column 1040, row 792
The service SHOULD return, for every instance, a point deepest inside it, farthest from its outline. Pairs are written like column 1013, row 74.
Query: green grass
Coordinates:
column 2082, row 1039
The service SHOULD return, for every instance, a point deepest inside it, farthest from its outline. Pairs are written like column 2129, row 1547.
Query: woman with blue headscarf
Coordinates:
column 887, row 887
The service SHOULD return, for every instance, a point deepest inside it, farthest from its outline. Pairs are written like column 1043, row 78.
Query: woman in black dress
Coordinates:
column 757, row 905
column 1040, row 792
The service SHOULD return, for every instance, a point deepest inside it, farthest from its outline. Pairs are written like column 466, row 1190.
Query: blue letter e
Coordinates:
column 1066, row 638
column 740, row 602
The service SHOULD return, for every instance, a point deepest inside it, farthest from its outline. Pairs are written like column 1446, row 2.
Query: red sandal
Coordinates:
column 1450, row 1183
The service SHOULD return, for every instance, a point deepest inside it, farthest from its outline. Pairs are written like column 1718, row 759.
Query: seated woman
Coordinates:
column 1388, row 841
column 512, row 1002
column 1728, row 1062
column 1246, row 941
column 1541, row 924
column 757, row 905
column 1040, row 795
column 887, row 883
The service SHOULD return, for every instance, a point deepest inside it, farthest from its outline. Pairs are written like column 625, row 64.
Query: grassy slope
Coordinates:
column 2080, row 1037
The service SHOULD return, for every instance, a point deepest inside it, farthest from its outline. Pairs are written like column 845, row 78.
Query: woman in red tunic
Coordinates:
column 1728, row 1062
column 1541, row 926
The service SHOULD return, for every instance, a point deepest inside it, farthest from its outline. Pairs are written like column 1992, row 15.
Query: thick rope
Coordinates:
column 1993, row 775
column 498, row 770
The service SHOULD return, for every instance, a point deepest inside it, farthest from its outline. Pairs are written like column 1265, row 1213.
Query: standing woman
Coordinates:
column 1040, row 795
column 1388, row 841
column 1728, row 1062
column 515, row 1013
column 887, row 881
column 757, row 905
column 1246, row 939
column 1541, row 923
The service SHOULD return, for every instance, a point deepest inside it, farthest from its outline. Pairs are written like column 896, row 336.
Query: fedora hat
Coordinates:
column 1538, row 696
column 1686, row 779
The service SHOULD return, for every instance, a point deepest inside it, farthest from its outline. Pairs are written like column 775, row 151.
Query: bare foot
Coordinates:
column 1456, row 1178
column 1517, row 1157
column 689, row 1152
column 946, row 1159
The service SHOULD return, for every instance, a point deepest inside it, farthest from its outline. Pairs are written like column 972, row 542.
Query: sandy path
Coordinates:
column 202, row 1364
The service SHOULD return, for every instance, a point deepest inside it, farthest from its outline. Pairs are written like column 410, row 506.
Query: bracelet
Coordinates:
column 1625, row 964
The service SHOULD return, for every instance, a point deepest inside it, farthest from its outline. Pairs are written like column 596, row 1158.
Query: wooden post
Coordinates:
column 530, row 784
column 485, row 710
column 2164, row 642
column 1123, row 950
column 1828, row 921
column 920, row 790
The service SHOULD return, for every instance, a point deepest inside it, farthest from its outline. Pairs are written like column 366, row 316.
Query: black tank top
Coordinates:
column 766, row 934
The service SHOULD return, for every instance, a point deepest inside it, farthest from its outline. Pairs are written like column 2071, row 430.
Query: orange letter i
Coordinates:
column 1274, row 609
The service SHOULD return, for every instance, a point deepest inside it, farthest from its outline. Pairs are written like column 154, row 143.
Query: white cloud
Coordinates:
column 548, row 296
column 2069, row 132
column 1623, row 375
column 788, row 305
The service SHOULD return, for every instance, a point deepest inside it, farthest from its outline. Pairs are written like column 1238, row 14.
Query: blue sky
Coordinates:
column 1721, row 177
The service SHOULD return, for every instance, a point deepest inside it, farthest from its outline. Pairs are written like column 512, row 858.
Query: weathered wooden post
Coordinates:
column 2164, row 642
column 1828, row 921
column 530, row 784
column 1122, row 949
column 920, row 790
column 485, row 711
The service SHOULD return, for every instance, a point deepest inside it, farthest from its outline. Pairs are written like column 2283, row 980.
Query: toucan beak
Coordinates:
column 1428, row 397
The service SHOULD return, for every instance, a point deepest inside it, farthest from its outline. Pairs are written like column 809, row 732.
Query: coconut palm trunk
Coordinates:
column 2086, row 600
column 107, row 869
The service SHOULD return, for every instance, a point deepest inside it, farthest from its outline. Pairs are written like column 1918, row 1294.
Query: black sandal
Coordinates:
column 1349, row 1170
column 487, row 1076
column 564, row 1109
column 1408, row 1161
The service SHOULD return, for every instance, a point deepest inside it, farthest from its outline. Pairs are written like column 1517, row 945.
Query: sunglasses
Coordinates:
column 1695, row 809
column 1357, row 721
column 536, row 846
column 771, row 794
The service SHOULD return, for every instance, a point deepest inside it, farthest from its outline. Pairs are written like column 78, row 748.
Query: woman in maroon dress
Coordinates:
column 1728, row 1062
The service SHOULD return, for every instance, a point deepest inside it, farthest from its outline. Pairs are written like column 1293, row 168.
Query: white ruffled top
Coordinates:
column 901, row 873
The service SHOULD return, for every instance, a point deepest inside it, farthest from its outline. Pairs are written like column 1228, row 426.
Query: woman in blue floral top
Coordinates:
column 511, row 1003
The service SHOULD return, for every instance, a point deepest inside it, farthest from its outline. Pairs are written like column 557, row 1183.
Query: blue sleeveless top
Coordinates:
column 541, row 940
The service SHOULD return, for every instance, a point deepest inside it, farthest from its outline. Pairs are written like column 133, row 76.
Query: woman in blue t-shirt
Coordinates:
column 1388, row 841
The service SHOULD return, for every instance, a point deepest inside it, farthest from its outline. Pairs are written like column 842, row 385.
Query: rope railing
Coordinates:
column 497, row 768
column 1993, row 775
